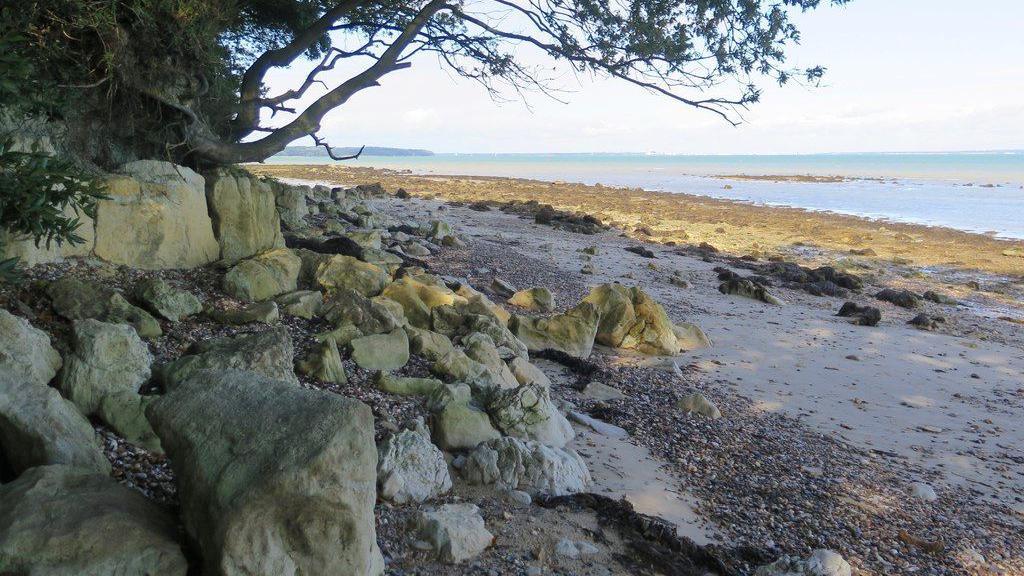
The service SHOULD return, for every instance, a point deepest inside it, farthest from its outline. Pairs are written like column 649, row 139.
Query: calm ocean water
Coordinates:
column 977, row 192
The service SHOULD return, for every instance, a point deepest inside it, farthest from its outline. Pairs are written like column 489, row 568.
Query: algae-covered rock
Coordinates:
column 166, row 301
column 61, row 520
column 340, row 271
column 572, row 332
column 25, row 351
column 269, row 353
column 273, row 478
column 539, row 299
column 39, row 427
column 105, row 359
column 631, row 319
column 381, row 351
column 155, row 217
column 264, row 276
column 244, row 214
column 324, row 364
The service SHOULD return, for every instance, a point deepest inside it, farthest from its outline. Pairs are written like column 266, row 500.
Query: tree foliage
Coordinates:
column 187, row 77
column 41, row 197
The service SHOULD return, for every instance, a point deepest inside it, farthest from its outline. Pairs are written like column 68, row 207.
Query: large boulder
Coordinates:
column 340, row 271
column 410, row 468
column 572, row 332
column 105, row 358
column 125, row 413
column 456, row 532
column 269, row 354
column 77, row 299
column 528, row 466
column 61, row 520
column 481, row 348
column 294, row 497
column 155, row 217
column 509, row 346
column 39, row 427
column 528, row 412
column 264, row 276
column 244, row 213
column 28, row 253
column 166, row 301
column 25, row 351
column 291, row 204
column 631, row 319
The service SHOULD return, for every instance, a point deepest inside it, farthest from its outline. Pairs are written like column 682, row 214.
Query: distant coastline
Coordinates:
column 318, row 152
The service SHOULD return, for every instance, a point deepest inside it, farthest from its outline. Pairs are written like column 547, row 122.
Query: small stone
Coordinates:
column 923, row 491
column 567, row 549
column 699, row 404
column 263, row 312
column 456, row 532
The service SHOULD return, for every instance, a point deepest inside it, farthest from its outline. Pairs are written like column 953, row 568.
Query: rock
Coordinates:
column 324, row 364
column 566, row 549
column 901, row 298
column 294, row 497
column 25, row 351
column 410, row 468
column 923, row 491
column 383, row 259
column 599, row 426
column 155, row 217
column 640, row 251
column 365, row 238
column 28, row 253
column 504, row 340
column 262, row 312
column 405, row 386
column 63, row 520
column 77, row 299
column 519, row 497
column 341, row 271
column 539, row 299
column 269, row 354
column 439, row 230
column 455, row 531
column 302, row 303
column 291, row 205
column 926, row 322
column 264, row 276
column 104, row 359
column 477, row 303
column 125, row 413
column 526, row 373
column 347, row 306
column 819, row 563
column 416, row 249
column 430, row 345
column 938, row 298
column 862, row 315
column 502, row 288
column 39, row 427
column 748, row 289
column 690, row 337
column 602, row 392
column 699, row 404
column 419, row 298
column 678, row 281
column 572, row 332
column 244, row 213
column 381, row 351
column 528, row 466
column 457, row 423
column 528, row 412
column 480, row 347
column 166, row 301
column 631, row 319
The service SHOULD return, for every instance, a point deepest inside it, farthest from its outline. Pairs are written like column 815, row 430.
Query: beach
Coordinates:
column 836, row 427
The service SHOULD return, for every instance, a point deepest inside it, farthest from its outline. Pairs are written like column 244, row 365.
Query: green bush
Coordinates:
column 41, row 197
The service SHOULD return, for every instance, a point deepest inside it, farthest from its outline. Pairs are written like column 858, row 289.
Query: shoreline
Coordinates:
column 735, row 226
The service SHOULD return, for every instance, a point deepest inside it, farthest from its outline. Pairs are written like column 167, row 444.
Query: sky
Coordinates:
column 903, row 75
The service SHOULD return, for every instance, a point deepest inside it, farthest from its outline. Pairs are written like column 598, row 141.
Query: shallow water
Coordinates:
column 976, row 192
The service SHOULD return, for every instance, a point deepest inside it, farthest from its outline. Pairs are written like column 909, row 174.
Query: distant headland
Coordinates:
column 316, row 151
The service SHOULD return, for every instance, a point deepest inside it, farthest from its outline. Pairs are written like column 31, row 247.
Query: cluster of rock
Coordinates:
column 273, row 477
column 546, row 214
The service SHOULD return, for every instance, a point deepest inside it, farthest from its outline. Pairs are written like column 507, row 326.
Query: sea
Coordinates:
column 979, row 192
